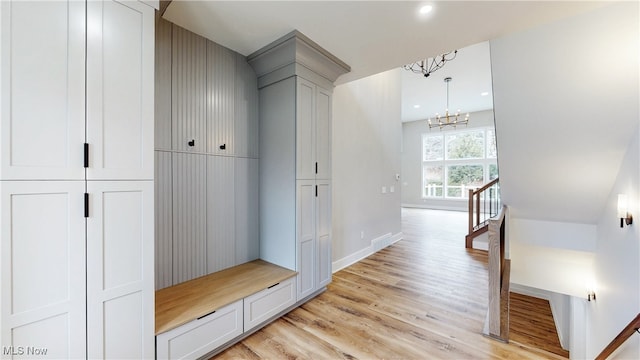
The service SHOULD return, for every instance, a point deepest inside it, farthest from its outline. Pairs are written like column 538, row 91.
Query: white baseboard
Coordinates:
column 377, row 244
column 436, row 207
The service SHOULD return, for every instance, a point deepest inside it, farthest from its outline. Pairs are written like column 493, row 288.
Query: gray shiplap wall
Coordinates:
column 189, row 196
column 207, row 197
column 163, row 220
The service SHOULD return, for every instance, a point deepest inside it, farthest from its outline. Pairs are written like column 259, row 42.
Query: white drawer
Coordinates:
column 268, row 302
column 198, row 337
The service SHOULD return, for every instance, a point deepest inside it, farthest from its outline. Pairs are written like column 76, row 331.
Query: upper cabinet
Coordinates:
column 313, row 138
column 120, row 44
column 188, row 91
column 42, row 83
column 221, row 84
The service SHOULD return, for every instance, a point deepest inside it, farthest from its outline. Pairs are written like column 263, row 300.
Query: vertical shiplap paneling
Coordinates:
column 221, row 74
column 246, row 109
column 163, row 84
column 220, row 213
column 188, row 90
column 189, row 216
column 163, row 220
column 247, row 210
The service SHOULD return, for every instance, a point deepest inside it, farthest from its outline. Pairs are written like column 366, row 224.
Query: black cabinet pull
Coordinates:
column 192, row 142
column 316, row 190
column 205, row 315
column 316, row 167
column 276, row 284
column 86, row 205
column 223, row 147
column 86, row 155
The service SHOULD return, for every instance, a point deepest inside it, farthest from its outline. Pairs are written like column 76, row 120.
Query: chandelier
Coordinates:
column 448, row 119
column 427, row 67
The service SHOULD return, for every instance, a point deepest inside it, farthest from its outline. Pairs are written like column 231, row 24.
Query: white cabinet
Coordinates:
column 42, row 267
column 199, row 337
column 120, row 270
column 120, row 58
column 77, row 275
column 268, row 303
column 42, row 86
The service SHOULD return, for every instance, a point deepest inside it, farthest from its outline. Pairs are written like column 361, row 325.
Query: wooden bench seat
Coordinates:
column 190, row 300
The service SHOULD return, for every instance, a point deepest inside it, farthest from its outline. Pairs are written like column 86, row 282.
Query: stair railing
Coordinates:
column 484, row 203
column 497, row 325
column 624, row 335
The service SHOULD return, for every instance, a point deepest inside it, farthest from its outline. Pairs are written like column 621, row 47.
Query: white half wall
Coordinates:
column 366, row 158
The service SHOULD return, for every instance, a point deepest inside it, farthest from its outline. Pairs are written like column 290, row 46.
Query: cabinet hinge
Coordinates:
column 86, row 155
column 86, row 205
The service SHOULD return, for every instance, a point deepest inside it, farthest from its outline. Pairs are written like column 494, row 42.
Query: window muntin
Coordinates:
column 456, row 161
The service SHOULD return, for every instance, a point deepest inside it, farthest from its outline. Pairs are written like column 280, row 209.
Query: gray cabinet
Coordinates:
column 294, row 77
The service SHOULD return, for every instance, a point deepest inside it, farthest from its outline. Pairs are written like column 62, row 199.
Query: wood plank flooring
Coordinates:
column 424, row 297
column 532, row 323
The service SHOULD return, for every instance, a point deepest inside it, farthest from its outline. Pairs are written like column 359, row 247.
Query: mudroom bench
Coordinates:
column 197, row 317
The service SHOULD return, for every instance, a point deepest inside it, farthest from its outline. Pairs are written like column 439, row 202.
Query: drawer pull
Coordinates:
column 205, row 315
column 276, row 284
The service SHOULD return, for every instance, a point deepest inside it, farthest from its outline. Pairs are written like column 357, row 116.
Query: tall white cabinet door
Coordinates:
column 323, row 232
column 120, row 290
column 42, row 268
column 305, row 224
column 305, row 129
column 323, row 133
column 120, row 78
column 42, row 90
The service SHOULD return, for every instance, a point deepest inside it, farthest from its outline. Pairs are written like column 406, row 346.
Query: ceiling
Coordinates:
column 376, row 36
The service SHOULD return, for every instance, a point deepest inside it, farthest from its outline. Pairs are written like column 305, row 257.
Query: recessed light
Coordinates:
column 426, row 9
column 484, row 93
column 416, row 106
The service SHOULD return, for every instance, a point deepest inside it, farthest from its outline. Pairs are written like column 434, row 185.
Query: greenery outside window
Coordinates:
column 456, row 161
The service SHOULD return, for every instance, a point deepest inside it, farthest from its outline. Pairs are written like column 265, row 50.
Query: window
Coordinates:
column 454, row 162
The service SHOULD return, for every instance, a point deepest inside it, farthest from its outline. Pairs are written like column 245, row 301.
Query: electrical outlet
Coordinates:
column 392, row 189
column 384, row 189
column 361, row 235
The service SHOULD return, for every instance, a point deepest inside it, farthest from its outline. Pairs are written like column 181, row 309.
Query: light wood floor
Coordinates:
column 424, row 297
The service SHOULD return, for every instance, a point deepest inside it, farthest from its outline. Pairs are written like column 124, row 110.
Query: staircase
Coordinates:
column 484, row 203
column 531, row 324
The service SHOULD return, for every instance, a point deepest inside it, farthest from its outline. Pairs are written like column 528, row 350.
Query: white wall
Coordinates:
column 617, row 264
column 366, row 158
column 566, row 105
column 412, row 163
